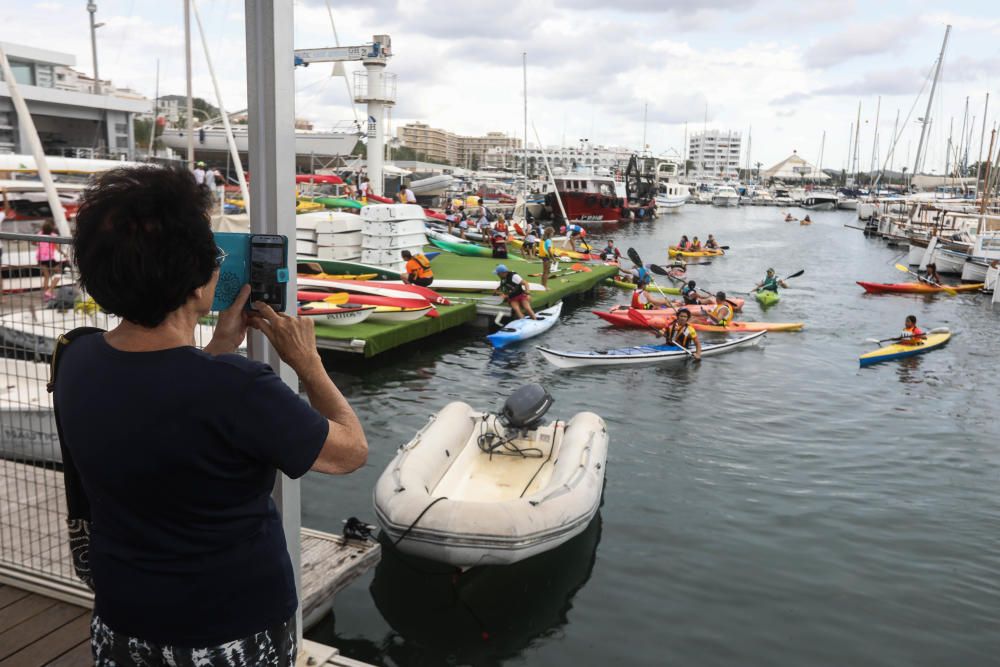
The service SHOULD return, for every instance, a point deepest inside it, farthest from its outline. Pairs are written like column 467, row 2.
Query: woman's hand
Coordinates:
column 294, row 338
column 231, row 328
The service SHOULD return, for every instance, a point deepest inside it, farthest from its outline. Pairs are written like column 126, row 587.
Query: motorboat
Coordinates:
column 725, row 195
column 432, row 186
column 474, row 488
column 671, row 196
column 819, row 201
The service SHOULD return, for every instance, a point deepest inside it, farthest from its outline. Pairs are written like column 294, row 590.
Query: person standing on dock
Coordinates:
column 418, row 269
column 171, row 518
column 406, row 195
column 545, row 252
column 515, row 291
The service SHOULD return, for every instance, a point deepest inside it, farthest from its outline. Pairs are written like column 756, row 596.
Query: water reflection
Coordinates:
column 482, row 616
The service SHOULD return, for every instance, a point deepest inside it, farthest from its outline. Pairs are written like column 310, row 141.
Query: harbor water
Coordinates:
column 775, row 506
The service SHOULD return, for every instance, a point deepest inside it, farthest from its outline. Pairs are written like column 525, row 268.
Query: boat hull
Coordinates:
column 892, row 352
column 642, row 355
column 525, row 328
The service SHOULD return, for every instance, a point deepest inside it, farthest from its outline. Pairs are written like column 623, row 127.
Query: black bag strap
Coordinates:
column 76, row 499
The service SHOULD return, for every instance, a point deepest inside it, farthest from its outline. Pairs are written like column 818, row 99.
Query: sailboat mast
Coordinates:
column 857, row 142
column 872, row 163
column 930, row 101
column 190, row 100
column 959, row 162
column 947, row 154
column 822, row 146
column 645, row 111
column 156, row 112
column 982, row 136
column 524, row 73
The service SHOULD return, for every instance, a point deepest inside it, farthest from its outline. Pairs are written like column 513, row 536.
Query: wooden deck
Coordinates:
column 42, row 595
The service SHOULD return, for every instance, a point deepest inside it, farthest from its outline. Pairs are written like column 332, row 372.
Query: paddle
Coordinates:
column 947, row 290
column 936, row 330
column 334, row 297
column 636, row 317
column 634, row 256
column 794, row 275
column 663, row 272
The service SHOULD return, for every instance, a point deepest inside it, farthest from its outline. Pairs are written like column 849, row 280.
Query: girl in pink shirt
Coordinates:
column 50, row 266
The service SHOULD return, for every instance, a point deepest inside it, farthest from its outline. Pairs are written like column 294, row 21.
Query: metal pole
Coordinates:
column 982, row 136
column 930, row 101
column 871, row 164
column 156, row 112
column 376, row 126
column 24, row 120
column 92, row 8
column 555, row 188
column 271, row 111
column 190, row 100
column 524, row 73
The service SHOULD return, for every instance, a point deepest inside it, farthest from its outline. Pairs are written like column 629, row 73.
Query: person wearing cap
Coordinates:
column 770, row 283
column 682, row 334
column 515, row 290
column 722, row 314
column 418, row 269
column 199, row 173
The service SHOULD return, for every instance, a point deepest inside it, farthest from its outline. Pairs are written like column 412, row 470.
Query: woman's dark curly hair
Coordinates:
column 143, row 241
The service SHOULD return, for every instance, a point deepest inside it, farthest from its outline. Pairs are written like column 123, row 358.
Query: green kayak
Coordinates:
column 767, row 298
column 465, row 249
column 335, row 267
column 337, row 202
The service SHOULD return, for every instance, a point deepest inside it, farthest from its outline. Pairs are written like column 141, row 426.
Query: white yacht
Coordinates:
column 307, row 142
column 726, row 195
column 819, row 201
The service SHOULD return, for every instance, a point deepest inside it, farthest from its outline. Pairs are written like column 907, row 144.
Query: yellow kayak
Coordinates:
column 674, row 251
column 558, row 252
column 305, row 206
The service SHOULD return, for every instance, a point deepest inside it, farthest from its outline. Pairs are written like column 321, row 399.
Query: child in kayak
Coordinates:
column 770, row 283
column 515, row 290
column 682, row 334
column 684, row 243
column 695, row 245
column 610, row 253
column 912, row 334
column 690, row 294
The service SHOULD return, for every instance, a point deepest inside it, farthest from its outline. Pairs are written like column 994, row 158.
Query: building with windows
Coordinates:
column 435, row 145
column 71, row 119
column 715, row 154
column 583, row 157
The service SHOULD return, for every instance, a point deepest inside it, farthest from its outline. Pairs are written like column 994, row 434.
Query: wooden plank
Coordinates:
column 9, row 595
column 22, row 610
column 52, row 646
column 37, row 627
column 80, row 655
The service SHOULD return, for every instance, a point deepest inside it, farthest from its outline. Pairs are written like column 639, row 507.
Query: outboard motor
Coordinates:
column 525, row 408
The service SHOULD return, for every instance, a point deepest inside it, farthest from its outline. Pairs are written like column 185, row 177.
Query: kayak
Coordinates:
column 455, row 285
column 915, row 288
column 337, row 202
column 736, row 303
column 338, row 316
column 525, row 328
column 624, row 284
column 417, row 290
column 767, row 298
column 368, row 300
column 355, row 287
column 312, row 269
column 643, row 354
column 390, row 314
column 558, row 252
column 674, row 251
column 463, row 248
column 664, row 318
column 334, row 267
column 898, row 351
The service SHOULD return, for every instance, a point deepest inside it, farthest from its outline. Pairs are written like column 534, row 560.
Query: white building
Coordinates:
column 584, row 157
column 71, row 120
column 715, row 154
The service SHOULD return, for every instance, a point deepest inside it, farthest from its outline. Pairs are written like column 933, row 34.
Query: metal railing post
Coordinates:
column 271, row 111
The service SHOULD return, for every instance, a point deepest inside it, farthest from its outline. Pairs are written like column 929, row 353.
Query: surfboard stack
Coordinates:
column 332, row 235
column 387, row 230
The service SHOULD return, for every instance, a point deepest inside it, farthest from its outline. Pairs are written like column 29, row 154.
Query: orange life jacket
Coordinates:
column 419, row 266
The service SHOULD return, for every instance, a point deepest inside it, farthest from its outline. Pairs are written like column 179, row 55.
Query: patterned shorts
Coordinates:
column 272, row 647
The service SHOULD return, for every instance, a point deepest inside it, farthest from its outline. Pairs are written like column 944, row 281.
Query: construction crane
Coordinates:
column 374, row 86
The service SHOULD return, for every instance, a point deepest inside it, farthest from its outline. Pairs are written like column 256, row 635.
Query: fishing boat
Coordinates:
column 474, row 488
column 642, row 354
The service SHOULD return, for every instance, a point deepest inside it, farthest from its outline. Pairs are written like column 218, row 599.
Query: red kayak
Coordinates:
column 368, row 300
column 381, row 200
column 425, row 292
column 916, row 288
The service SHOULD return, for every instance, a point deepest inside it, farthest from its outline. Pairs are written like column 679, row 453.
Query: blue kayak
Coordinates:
column 526, row 327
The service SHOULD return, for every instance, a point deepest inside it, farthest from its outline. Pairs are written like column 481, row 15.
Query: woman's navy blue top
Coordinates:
column 177, row 451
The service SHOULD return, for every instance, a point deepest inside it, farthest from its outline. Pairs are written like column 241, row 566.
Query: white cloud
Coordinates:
column 862, row 40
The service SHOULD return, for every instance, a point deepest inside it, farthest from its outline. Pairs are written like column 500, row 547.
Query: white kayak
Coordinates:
column 446, row 285
column 642, row 354
column 390, row 314
column 526, row 327
column 447, row 498
column 356, row 287
column 338, row 316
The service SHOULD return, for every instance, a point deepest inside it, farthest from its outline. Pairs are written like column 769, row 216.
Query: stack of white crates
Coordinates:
column 388, row 229
column 329, row 235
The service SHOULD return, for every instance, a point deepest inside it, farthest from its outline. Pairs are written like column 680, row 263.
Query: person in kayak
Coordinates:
column 642, row 299
column 770, row 283
column 418, row 269
column 515, row 290
column 722, row 314
column 912, row 334
column 695, row 245
column 932, row 277
column 610, row 253
column 641, row 275
column 684, row 243
column 711, row 243
column 682, row 334
column 790, row 218
column 690, row 294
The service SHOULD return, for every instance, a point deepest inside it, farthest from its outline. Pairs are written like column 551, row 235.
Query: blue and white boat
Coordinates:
column 525, row 328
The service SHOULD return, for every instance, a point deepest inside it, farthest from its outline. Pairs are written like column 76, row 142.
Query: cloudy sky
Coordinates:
column 788, row 69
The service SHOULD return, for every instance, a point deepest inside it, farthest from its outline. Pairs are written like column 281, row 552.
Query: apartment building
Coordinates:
column 715, row 154
column 436, row 145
